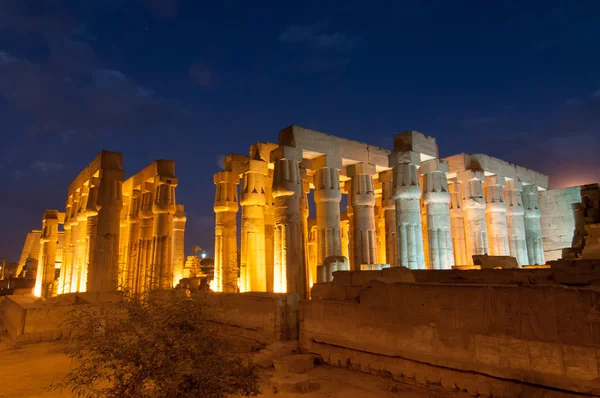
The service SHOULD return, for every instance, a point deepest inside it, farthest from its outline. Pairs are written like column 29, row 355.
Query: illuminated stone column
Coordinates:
column 388, row 205
column 312, row 251
column 74, row 245
column 179, row 220
column 437, row 200
column 269, row 233
column 82, row 241
column 253, row 261
column 133, row 241
column 350, row 215
column 45, row 285
column 163, row 209
column 515, row 221
column 144, row 269
column 289, row 272
column 305, row 228
column 345, row 233
column 380, row 234
column 103, row 273
column 64, row 281
column 124, row 268
column 327, row 197
column 91, row 213
column 473, row 205
column 457, row 225
column 533, row 226
column 362, row 198
column 495, row 210
column 407, row 194
column 226, row 207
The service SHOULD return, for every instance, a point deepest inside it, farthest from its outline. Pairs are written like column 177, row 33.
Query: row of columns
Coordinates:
column 472, row 214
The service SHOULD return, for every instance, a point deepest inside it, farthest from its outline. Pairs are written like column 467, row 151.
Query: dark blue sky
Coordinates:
column 193, row 81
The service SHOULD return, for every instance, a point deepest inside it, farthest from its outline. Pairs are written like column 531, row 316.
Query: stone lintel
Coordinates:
column 434, row 165
column 496, row 180
column 286, row 152
column 322, row 161
column 255, row 166
column 105, row 160
column 386, row 176
column 226, row 176
column 514, row 184
column 179, row 213
column 353, row 170
column 396, row 158
column 262, row 150
column 467, row 175
column 234, row 161
column 414, row 141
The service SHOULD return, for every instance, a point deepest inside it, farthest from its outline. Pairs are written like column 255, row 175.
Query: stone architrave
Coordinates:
column 44, row 284
column 327, row 197
column 515, row 213
column 437, row 199
column 533, row 226
column 362, row 198
column 104, row 270
column 253, row 262
column 163, row 209
column 407, row 194
column 179, row 220
column 226, row 206
column 289, row 272
column 388, row 206
column 473, row 205
column 457, row 225
column 495, row 210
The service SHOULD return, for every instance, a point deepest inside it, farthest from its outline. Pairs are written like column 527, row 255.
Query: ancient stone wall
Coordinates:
column 558, row 219
column 456, row 334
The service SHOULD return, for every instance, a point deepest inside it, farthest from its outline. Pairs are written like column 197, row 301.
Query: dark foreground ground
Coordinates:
column 26, row 370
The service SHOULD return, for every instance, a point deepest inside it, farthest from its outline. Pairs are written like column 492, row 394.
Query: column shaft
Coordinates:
column 516, row 221
column 289, row 273
column 163, row 209
column 407, row 194
column 533, row 226
column 327, row 197
column 226, row 207
column 45, row 285
column 388, row 205
column 179, row 220
column 253, row 260
column 437, row 201
column 495, row 210
column 362, row 198
column 473, row 204
column 457, row 225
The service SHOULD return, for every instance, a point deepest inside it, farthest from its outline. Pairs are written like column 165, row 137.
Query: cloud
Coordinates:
column 46, row 168
column 204, row 75
column 95, row 100
column 318, row 36
column 591, row 97
column 480, row 121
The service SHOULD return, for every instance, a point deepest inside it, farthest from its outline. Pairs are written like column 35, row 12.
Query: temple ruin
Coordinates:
column 405, row 207
column 118, row 234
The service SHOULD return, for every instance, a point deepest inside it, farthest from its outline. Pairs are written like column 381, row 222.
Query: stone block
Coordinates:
column 492, row 262
column 414, row 141
column 580, row 362
column 326, row 161
column 296, row 363
column 320, row 291
column 286, row 152
column 353, row 170
column 434, row 165
column 363, row 278
column 396, row 158
column 401, row 274
column 342, row 278
column 293, row 383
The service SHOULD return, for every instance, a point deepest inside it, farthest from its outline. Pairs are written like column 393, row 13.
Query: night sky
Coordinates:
column 193, row 81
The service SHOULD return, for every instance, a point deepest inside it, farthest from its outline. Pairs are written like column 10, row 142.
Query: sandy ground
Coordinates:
column 27, row 370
